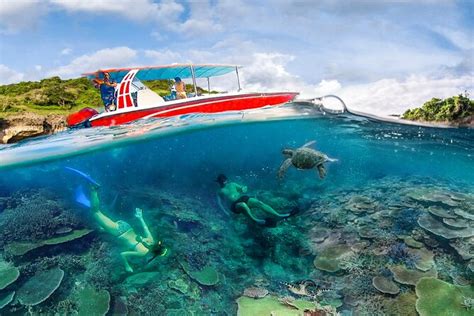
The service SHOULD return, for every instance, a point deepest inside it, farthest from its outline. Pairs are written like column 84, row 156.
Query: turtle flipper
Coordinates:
column 283, row 168
column 321, row 171
column 311, row 143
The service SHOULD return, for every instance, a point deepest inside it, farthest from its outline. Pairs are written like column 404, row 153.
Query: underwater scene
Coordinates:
column 326, row 215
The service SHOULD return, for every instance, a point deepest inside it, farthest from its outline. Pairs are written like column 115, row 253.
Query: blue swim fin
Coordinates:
column 81, row 197
column 84, row 175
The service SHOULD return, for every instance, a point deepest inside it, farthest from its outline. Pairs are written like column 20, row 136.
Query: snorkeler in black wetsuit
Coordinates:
column 234, row 194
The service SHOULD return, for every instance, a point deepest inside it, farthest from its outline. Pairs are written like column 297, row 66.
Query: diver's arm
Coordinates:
column 139, row 215
column 219, row 202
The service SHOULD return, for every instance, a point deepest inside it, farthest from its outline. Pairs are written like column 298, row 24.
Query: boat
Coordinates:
column 134, row 100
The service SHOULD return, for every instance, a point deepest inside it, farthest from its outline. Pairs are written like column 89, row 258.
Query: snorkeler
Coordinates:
column 138, row 246
column 234, row 194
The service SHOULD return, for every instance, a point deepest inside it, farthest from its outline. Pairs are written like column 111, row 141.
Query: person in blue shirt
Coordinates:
column 107, row 91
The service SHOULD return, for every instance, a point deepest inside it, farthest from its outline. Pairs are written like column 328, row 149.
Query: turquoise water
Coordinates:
column 386, row 177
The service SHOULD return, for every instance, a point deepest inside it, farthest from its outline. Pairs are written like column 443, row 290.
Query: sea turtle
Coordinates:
column 304, row 158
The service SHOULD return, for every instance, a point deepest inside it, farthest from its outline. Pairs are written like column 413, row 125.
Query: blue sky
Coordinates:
column 382, row 56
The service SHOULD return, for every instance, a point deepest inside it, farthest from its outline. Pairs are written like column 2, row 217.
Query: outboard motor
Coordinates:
column 81, row 118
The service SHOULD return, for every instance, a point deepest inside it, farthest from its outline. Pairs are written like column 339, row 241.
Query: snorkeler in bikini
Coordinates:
column 234, row 194
column 137, row 246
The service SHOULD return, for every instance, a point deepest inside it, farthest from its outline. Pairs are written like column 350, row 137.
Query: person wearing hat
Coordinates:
column 107, row 90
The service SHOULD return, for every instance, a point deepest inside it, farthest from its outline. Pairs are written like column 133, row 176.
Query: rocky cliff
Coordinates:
column 16, row 127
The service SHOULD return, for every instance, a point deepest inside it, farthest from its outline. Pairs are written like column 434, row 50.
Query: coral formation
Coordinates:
column 410, row 277
column 93, row 302
column 8, row 274
column 206, row 276
column 436, row 298
column 6, row 298
column 385, row 285
column 40, row 287
column 330, row 258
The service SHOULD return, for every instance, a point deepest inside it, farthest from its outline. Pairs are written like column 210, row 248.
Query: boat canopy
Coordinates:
column 167, row 72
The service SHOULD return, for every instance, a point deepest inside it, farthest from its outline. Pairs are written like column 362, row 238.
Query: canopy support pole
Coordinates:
column 194, row 81
column 208, row 86
column 238, row 79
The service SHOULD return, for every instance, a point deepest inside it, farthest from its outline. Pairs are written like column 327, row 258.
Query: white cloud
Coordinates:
column 8, row 75
column 137, row 10
column 38, row 67
column 165, row 56
column 104, row 58
column 17, row 15
column 66, row 51
column 392, row 96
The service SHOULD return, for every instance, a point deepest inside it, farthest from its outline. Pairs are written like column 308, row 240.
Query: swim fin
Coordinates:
column 81, row 197
column 84, row 175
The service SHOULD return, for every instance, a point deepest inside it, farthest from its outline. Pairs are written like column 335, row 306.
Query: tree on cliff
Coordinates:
column 452, row 109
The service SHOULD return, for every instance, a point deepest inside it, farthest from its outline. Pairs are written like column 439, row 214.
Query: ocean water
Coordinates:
column 363, row 221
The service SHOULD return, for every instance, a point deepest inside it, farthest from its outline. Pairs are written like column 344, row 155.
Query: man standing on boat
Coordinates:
column 107, row 91
column 234, row 194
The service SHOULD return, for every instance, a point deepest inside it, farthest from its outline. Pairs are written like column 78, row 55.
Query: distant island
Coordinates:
column 457, row 111
column 35, row 108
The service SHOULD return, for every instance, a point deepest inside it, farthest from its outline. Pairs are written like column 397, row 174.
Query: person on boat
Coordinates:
column 234, row 195
column 180, row 88
column 107, row 91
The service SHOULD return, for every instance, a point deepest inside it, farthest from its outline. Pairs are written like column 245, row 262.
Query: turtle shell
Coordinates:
column 307, row 158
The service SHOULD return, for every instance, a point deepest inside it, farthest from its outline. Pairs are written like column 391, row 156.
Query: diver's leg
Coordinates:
column 253, row 202
column 244, row 208
column 127, row 254
column 106, row 223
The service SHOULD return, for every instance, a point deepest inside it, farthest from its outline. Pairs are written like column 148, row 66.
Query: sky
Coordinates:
column 380, row 56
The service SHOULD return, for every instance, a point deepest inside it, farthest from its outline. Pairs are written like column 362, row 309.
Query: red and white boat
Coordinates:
column 135, row 101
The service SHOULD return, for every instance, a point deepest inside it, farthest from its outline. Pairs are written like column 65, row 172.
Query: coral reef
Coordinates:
column 40, row 287
column 436, row 297
column 93, row 302
column 360, row 251
column 36, row 217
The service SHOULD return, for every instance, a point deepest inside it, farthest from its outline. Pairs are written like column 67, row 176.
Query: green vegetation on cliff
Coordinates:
column 56, row 96
column 51, row 95
column 454, row 109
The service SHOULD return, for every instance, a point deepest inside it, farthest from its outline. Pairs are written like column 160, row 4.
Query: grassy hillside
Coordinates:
column 453, row 109
column 56, row 96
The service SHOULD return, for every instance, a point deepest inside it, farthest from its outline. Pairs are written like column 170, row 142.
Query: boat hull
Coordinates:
column 218, row 104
